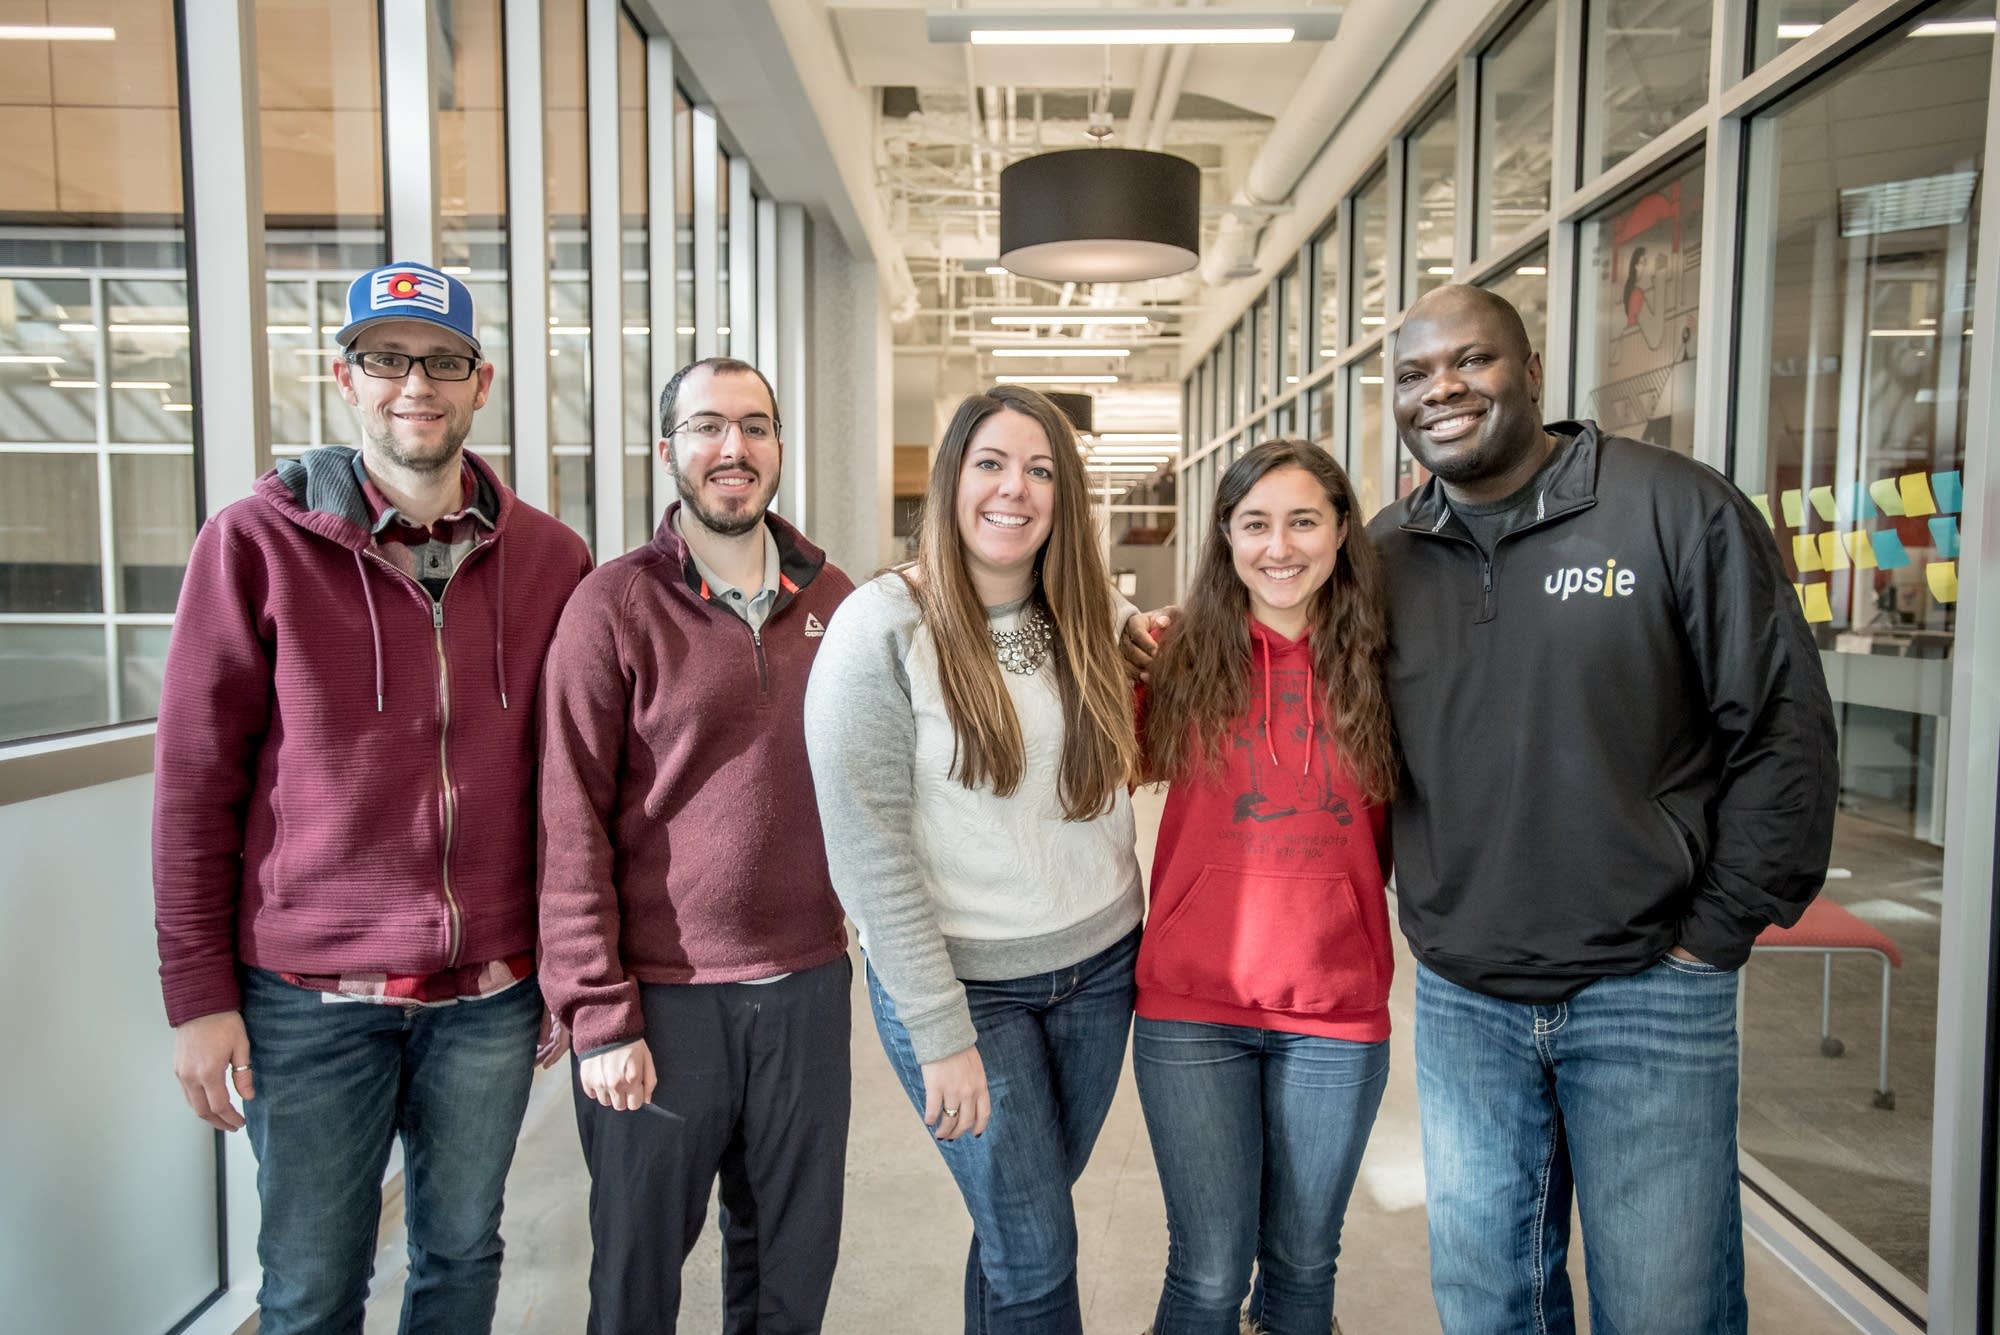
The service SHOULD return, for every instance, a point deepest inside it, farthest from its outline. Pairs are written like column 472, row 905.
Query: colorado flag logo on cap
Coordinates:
column 411, row 286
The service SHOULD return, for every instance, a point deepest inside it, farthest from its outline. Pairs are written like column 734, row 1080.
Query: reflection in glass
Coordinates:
column 636, row 339
column 152, row 364
column 142, row 659
column 472, row 213
column 1431, row 203
column 1327, row 249
column 48, row 361
column 1853, row 427
column 1264, row 339
column 50, row 560
column 52, row 679
column 1645, row 68
column 1516, row 106
column 1364, row 432
column 1639, row 266
column 567, row 141
column 1526, row 286
column 1779, row 25
column 1290, row 295
column 153, row 509
column 1371, row 259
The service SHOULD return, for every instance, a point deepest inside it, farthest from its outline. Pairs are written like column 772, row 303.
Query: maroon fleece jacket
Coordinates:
column 680, row 834
column 344, row 771
column 1268, row 907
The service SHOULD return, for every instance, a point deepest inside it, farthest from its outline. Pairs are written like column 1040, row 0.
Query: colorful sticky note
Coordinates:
column 1763, row 504
column 1794, row 508
column 1860, row 549
column 1949, row 490
column 1861, row 505
column 1817, row 608
column 1805, row 553
column 1886, row 495
column 1942, row 576
column 1822, row 499
column 1944, row 536
column 1832, row 556
column 1889, row 553
column 1916, row 489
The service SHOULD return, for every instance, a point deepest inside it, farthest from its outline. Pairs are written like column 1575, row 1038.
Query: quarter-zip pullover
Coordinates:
column 344, row 765
column 681, row 837
column 1615, row 731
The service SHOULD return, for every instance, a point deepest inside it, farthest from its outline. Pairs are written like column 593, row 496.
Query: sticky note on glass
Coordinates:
column 1889, row 553
column 1916, row 488
column 1861, row 503
column 1861, row 549
column 1832, row 556
column 1942, row 576
column 1948, row 491
column 1763, row 504
column 1822, row 501
column 1944, row 536
column 1887, row 495
column 1793, row 507
column 1817, row 608
column 1805, row 553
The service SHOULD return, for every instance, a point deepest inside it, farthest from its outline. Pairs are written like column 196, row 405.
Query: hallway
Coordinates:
column 902, row 1250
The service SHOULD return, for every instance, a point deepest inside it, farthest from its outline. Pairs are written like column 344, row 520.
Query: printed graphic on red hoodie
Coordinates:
column 1268, row 908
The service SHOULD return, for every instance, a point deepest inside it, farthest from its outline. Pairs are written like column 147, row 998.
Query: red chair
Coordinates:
column 1827, row 929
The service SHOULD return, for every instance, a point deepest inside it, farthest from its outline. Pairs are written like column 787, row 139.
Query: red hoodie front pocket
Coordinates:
column 1265, row 940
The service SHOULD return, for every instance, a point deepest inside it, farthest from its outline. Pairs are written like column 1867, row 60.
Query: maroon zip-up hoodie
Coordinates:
column 344, row 770
column 681, row 839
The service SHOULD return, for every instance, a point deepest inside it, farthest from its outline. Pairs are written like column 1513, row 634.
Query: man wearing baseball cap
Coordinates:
column 344, row 823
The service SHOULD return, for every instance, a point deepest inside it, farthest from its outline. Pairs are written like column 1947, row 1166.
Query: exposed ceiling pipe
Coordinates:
column 1170, row 97
column 1343, row 72
column 1144, row 93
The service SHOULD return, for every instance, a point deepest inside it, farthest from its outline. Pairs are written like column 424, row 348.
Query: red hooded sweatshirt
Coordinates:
column 345, row 770
column 1268, row 908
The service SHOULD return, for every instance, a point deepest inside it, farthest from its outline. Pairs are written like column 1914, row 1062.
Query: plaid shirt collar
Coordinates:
column 387, row 524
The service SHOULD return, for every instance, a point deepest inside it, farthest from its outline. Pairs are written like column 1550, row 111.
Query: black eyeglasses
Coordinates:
column 396, row 365
column 708, row 428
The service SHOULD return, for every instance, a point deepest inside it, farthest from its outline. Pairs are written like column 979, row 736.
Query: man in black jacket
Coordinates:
column 1619, row 768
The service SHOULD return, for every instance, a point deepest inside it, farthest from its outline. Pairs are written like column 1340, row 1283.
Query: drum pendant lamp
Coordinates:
column 1100, row 215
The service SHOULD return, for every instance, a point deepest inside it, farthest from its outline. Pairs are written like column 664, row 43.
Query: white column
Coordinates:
column 528, row 252
column 793, row 336
column 708, row 312
column 661, row 246
column 412, row 46
column 607, row 279
column 742, row 340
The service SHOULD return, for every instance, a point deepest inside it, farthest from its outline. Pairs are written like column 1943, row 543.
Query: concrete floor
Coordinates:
column 904, row 1235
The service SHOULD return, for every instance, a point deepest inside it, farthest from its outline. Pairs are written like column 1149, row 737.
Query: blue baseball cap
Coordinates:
column 408, row 292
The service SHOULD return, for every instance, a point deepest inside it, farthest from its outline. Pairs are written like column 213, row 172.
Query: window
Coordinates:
column 1326, row 250
column 1516, row 115
column 1290, row 295
column 1365, row 446
column 97, row 468
column 684, row 315
column 1779, row 25
column 1639, row 267
column 1645, row 68
column 566, row 137
column 1526, row 285
column 636, row 336
column 1371, row 254
column 1430, row 200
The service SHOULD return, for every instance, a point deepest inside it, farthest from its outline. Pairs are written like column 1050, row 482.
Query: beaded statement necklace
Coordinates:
column 1022, row 649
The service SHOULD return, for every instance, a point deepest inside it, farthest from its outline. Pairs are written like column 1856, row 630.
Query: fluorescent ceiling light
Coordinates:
column 323, row 379
column 684, row 329
column 1902, row 333
column 996, row 270
column 1371, row 379
column 1908, row 204
column 1068, row 319
column 1056, row 379
column 29, row 359
column 1149, row 26
column 1793, row 32
column 1439, row 271
column 288, row 329
column 128, row 328
column 1122, row 470
column 1533, row 270
column 637, row 329
column 72, row 384
column 457, row 269
column 1134, row 437
column 43, row 32
column 1051, row 350
column 177, row 407
column 141, row 384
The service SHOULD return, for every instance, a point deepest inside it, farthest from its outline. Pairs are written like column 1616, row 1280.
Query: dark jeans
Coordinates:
column 753, row 1085
column 1626, row 1094
column 1053, row 1045
column 1258, row 1137
column 337, row 1082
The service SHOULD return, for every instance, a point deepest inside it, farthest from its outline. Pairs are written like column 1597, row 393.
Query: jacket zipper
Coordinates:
column 454, row 915
column 1486, row 600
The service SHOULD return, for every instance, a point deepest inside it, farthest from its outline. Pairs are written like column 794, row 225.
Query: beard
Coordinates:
column 727, row 525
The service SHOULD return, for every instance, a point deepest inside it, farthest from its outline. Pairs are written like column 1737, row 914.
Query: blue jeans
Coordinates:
column 1257, row 1136
column 1053, row 1045
column 336, row 1083
column 1626, row 1094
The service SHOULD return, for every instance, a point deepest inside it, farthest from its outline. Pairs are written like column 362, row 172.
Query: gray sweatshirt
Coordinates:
column 944, row 882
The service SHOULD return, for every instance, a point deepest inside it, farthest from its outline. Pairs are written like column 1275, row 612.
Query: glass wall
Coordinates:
column 1371, row 255
column 635, row 334
column 684, row 316
column 97, row 466
column 1645, row 68
column 472, row 204
column 1517, row 76
column 1430, row 178
column 1526, row 285
column 566, row 139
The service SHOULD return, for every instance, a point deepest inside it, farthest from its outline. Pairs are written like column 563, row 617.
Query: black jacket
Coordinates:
column 1616, row 738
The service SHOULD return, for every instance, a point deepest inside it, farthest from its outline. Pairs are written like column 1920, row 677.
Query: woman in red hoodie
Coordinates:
column 1261, row 1046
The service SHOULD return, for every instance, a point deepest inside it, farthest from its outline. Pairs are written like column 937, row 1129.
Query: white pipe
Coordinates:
column 1343, row 72
column 1170, row 97
column 1140, row 117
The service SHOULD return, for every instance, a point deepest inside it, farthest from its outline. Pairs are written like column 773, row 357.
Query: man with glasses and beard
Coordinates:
column 691, row 939
column 344, row 812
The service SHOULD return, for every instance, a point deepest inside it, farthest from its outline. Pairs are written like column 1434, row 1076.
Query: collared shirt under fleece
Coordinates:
column 943, row 881
column 681, row 837
column 344, row 765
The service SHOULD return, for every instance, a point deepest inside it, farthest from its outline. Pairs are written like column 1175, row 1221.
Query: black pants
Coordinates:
column 753, row 1085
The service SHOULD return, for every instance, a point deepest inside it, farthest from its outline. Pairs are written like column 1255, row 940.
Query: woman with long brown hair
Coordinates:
column 1261, row 1045
column 970, row 728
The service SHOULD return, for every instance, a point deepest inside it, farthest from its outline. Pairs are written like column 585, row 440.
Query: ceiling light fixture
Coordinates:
column 1139, row 437
column 42, row 32
column 1153, row 26
column 1055, row 350
column 1068, row 319
column 1056, row 379
column 1100, row 215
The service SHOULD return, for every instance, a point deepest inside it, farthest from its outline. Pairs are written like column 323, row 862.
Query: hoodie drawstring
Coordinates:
column 374, row 624
column 1270, row 741
column 500, row 623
